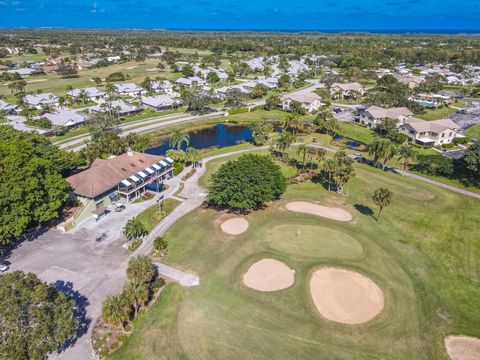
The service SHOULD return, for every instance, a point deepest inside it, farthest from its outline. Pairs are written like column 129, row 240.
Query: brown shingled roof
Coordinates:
column 104, row 175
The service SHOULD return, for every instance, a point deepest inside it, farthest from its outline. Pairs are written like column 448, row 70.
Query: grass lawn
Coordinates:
column 474, row 131
column 151, row 216
column 424, row 253
column 436, row 114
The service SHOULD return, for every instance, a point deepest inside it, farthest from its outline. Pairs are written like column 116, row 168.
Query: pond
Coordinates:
column 218, row 136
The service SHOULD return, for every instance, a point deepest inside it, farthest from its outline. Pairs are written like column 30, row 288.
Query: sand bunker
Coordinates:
column 319, row 210
column 235, row 226
column 269, row 275
column 463, row 347
column 345, row 296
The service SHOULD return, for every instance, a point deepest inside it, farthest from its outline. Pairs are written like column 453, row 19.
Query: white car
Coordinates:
column 3, row 268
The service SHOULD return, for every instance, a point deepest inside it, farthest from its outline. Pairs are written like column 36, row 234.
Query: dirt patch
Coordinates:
column 345, row 296
column 235, row 226
column 269, row 275
column 319, row 210
column 463, row 347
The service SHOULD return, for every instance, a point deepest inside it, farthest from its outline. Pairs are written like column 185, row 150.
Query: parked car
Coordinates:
column 101, row 237
column 4, row 267
column 337, row 110
column 119, row 208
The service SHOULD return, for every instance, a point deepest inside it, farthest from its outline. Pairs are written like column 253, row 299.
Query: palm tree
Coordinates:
column 83, row 97
column 62, row 101
column 382, row 197
column 389, row 151
column 134, row 228
column 302, row 151
column 329, row 166
column 192, row 155
column 97, row 80
column 115, row 310
column 319, row 155
column 377, row 149
column 311, row 153
column 178, row 138
column 407, row 153
column 137, row 292
column 110, row 89
column 283, row 142
column 140, row 268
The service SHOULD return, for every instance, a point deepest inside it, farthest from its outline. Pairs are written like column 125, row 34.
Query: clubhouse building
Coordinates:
column 121, row 178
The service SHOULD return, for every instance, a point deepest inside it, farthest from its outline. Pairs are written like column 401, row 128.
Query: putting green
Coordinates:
column 320, row 241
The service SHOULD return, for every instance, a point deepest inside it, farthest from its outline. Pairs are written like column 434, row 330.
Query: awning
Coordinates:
column 134, row 178
column 170, row 161
column 142, row 174
column 163, row 163
column 156, row 166
column 150, row 171
column 126, row 183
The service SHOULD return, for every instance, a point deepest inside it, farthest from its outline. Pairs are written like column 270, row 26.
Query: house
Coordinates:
column 429, row 133
column 8, row 108
column 191, row 81
column 159, row 102
column 346, row 91
column 411, row 81
column 203, row 72
column 119, row 106
column 19, row 124
column 221, row 92
column 374, row 115
column 65, row 117
column 164, row 85
column 23, row 71
column 50, row 68
column 431, row 101
column 113, row 59
column 81, row 65
column 91, row 92
column 310, row 101
column 40, row 100
column 271, row 83
column 126, row 177
column 129, row 89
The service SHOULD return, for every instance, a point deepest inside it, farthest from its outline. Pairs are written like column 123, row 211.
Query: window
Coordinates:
column 443, row 134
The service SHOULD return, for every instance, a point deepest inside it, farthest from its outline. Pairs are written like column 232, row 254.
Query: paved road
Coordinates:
column 180, row 277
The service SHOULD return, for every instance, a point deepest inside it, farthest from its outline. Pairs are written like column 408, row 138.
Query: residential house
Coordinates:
column 40, row 100
column 119, row 106
column 411, row 81
column 429, row 133
column 23, row 71
column 374, row 115
column 346, row 91
column 310, row 101
column 8, row 108
column 18, row 123
column 159, row 102
column 124, row 177
column 65, row 117
column 129, row 89
column 191, row 81
column 91, row 93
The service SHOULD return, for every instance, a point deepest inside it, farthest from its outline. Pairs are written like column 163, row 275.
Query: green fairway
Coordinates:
column 424, row 254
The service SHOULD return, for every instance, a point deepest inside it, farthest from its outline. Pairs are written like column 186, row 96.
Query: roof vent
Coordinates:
column 129, row 152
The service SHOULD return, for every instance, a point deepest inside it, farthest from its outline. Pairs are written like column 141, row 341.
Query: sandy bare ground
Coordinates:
column 463, row 347
column 319, row 210
column 131, row 67
column 235, row 226
column 35, row 81
column 345, row 296
column 153, row 69
column 269, row 275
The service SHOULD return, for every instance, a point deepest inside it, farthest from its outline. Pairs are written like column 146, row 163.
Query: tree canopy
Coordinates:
column 35, row 318
column 247, row 183
column 32, row 188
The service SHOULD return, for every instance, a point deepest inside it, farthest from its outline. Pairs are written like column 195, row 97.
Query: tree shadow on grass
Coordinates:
column 365, row 210
column 79, row 312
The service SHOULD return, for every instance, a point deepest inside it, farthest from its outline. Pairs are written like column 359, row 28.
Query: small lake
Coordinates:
column 218, row 136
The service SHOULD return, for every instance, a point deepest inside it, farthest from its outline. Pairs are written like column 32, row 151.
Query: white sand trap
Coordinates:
column 319, row 210
column 463, row 347
column 269, row 275
column 131, row 67
column 235, row 226
column 151, row 69
column 345, row 296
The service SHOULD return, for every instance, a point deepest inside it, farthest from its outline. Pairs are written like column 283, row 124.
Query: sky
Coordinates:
column 292, row 15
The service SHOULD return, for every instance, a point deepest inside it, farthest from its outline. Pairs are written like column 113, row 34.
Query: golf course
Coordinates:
column 342, row 285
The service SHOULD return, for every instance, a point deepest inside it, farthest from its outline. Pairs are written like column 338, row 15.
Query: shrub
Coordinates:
column 178, row 168
column 114, row 346
column 116, row 76
column 134, row 244
column 160, row 245
column 435, row 165
column 158, row 283
column 462, row 140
